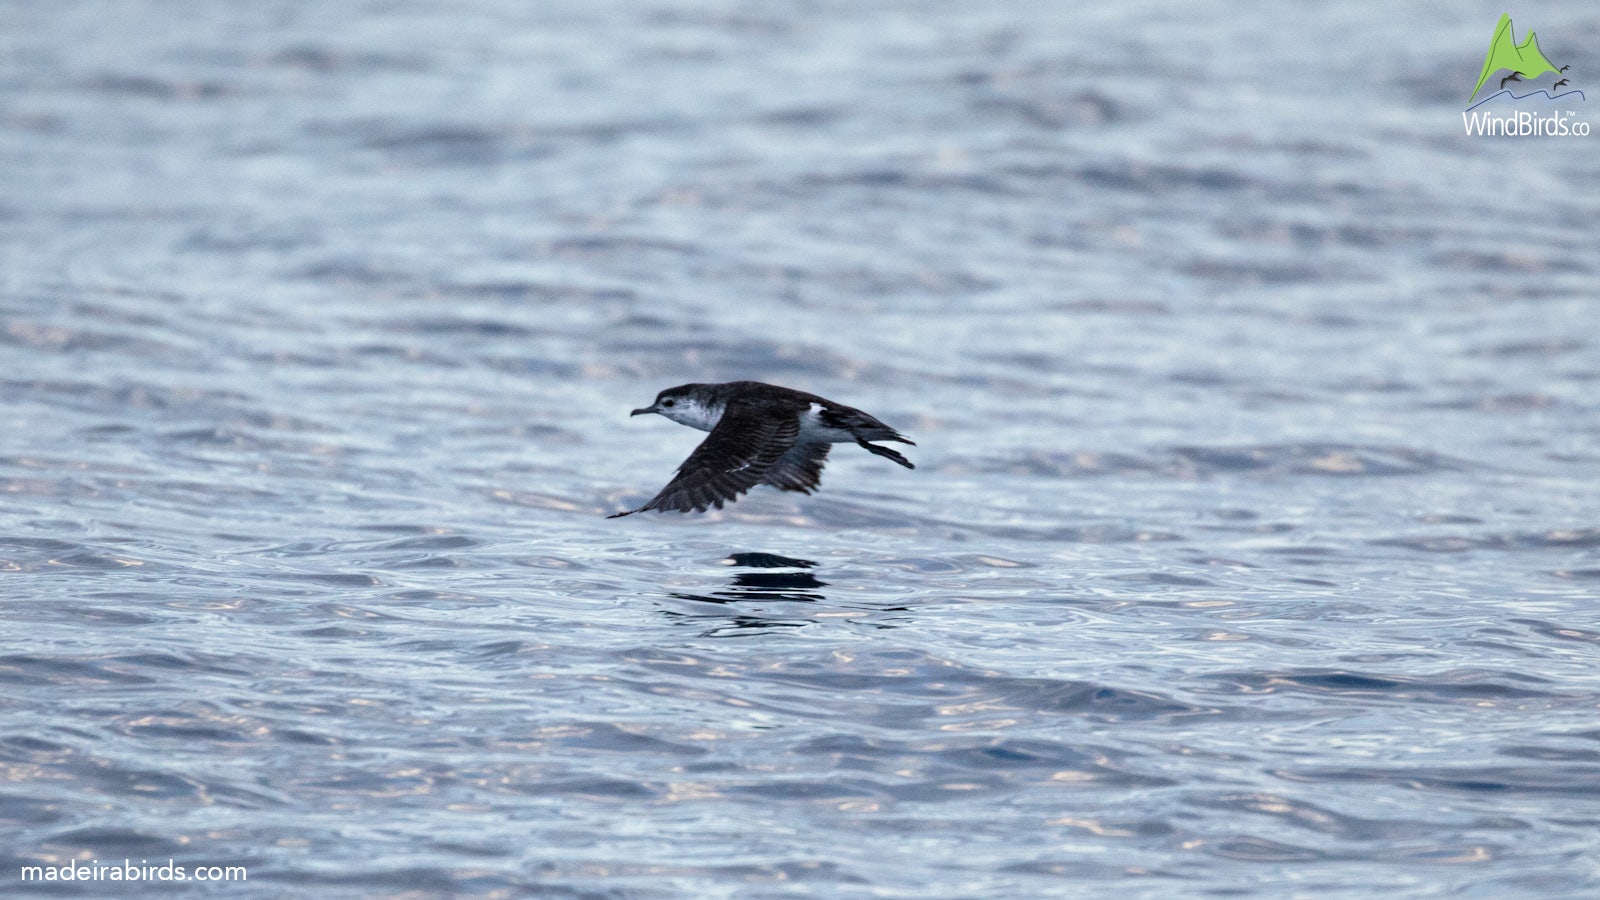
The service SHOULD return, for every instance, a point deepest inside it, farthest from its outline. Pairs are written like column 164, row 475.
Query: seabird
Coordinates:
column 760, row 434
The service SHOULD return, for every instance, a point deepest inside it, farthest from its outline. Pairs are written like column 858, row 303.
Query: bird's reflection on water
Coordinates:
column 758, row 578
column 767, row 576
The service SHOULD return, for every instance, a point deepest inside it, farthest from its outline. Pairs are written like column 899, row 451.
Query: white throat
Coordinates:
column 694, row 415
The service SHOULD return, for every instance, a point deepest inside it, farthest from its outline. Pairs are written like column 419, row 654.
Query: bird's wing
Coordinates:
column 800, row 469
column 733, row 458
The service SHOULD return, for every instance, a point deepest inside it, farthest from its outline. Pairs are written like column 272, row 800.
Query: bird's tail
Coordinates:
column 886, row 452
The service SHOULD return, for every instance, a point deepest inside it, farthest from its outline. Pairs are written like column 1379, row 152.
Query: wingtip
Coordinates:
column 621, row 514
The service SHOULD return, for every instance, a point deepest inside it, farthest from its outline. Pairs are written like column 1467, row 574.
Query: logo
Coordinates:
column 1515, row 72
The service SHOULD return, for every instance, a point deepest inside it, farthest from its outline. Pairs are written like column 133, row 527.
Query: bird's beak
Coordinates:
column 640, row 412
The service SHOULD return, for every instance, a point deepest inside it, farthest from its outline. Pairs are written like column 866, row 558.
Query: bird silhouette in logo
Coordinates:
column 1560, row 83
column 1564, row 68
column 1514, row 76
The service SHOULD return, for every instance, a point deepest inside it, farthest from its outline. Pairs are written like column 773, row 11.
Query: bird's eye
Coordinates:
column 668, row 402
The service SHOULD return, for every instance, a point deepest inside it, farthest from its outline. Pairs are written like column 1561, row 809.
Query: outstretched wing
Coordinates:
column 800, row 469
column 733, row 458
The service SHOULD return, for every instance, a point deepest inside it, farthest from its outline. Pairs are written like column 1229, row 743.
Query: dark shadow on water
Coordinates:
column 768, row 561
column 766, row 576
column 759, row 579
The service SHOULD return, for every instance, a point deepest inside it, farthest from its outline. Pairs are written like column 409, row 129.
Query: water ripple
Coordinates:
column 1251, row 547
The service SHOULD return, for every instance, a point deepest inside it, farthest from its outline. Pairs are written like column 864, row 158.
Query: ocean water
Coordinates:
column 1253, row 546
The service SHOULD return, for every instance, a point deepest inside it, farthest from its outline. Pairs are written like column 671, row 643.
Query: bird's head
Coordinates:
column 686, row 404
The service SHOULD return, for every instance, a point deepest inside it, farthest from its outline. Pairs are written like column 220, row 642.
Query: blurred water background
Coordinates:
column 1253, row 546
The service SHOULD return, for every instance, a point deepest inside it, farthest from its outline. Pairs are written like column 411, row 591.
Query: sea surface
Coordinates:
column 1253, row 547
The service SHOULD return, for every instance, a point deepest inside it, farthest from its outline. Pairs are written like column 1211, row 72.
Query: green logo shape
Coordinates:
column 1504, row 53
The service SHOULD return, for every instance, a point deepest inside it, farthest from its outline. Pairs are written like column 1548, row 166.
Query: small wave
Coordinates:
column 1148, row 178
column 116, row 843
column 1554, row 539
column 1526, row 781
column 1464, row 685
column 151, row 88
column 1334, row 460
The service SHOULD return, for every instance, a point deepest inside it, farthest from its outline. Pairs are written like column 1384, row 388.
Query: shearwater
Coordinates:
column 760, row 434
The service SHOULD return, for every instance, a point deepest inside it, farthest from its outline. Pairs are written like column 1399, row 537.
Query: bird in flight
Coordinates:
column 760, row 434
column 1514, row 76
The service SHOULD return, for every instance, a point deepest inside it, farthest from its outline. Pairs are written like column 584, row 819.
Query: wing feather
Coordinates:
column 800, row 469
column 734, row 458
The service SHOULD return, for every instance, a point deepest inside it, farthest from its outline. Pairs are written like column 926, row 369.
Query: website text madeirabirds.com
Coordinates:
column 128, row 870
